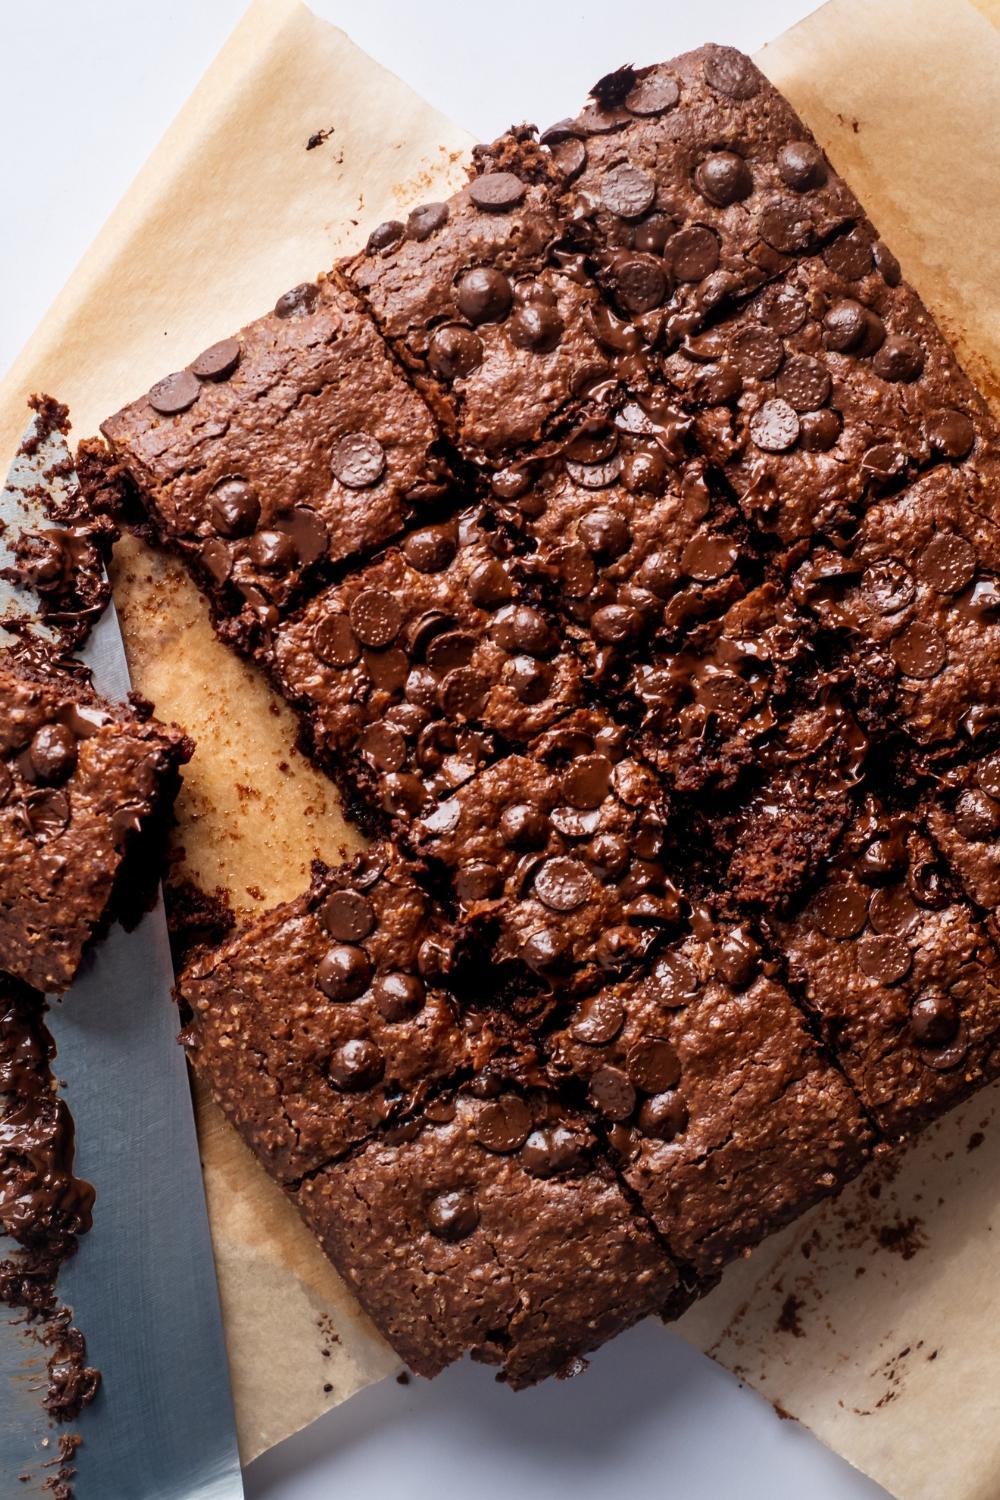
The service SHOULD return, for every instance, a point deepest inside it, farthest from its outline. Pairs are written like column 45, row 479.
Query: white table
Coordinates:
column 89, row 86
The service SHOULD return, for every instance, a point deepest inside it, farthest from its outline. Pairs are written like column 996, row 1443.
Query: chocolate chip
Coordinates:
column 489, row 585
column 593, row 444
column 218, row 361
column 52, row 752
column 652, row 234
column 383, row 744
column 348, row 916
column 398, row 997
column 977, row 816
column 801, row 165
column 639, row 283
column 652, row 94
column 819, row 430
column 692, row 253
column 899, row 359
column 174, row 393
column 563, row 883
column 6, row 783
column 886, row 959
column 948, row 563
column 663, row 1116
column 453, row 352
column 892, row 910
column 616, row 624
column 674, row 981
column 545, row 951
column 484, row 295
column 737, row 957
column 785, row 225
column 450, row 649
column 524, row 629
column 523, row 826
column 555, row 1151
column 216, row 558
column 850, row 256
column 605, row 532
column 731, row 73
column 587, row 781
column 934, row 1019
column 423, row 220
column 234, row 507
column 388, row 669
column 464, row 693
column 535, row 328
column 644, row 472
column 723, row 178
column 385, row 237
column 887, row 586
column 344, row 972
column 502, row 1125
column 919, row 651
column 358, row 460
column 652, row 1065
column 988, row 774
column 299, row 302
column 951, row 433
column 376, row 617
column 840, row 909
column 570, row 157
column 334, row 641
column 886, row 263
column 46, row 813
column 611, row 1094
column 774, row 426
column 530, row 680
column 357, row 1065
column 598, row 1020
column 496, row 192
column 272, row 551
column 708, row 556
column 453, row 1216
column 512, row 482
column 846, row 324
column 628, row 191
column 758, row 353
column 804, row 383
column 477, row 880
column 782, row 309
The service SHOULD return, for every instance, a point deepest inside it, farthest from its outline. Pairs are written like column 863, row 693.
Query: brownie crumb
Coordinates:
column 318, row 137
column 904, row 1238
column 403, row 1378
column 788, row 1318
column 975, row 1140
column 195, row 919
column 52, row 416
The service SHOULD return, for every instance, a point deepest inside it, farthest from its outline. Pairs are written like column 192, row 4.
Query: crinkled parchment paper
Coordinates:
column 876, row 1320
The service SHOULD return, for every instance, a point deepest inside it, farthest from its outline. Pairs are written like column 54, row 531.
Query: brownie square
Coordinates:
column 727, row 1119
column 84, row 787
column 916, row 598
column 899, row 972
column 562, row 853
column 694, row 182
column 279, row 452
column 328, row 1016
column 827, row 388
column 420, row 667
column 494, row 1228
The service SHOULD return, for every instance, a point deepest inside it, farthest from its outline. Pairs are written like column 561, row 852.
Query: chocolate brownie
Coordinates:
column 502, row 342
column 83, row 785
column 916, row 597
column 693, row 182
column 963, row 816
column 726, row 1118
column 563, row 852
column 327, row 1017
column 827, row 388
column 899, row 972
column 494, row 1227
column 279, row 452
column 421, row 667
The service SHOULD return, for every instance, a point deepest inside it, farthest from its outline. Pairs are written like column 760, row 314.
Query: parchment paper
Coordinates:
column 875, row 1320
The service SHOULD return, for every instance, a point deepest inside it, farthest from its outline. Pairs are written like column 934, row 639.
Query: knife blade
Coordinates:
column 143, row 1285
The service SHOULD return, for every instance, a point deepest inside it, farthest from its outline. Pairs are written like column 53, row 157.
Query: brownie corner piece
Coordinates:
column 84, row 786
column 280, row 452
column 494, row 1226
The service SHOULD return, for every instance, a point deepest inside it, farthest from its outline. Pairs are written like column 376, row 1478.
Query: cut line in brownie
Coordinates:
column 85, row 785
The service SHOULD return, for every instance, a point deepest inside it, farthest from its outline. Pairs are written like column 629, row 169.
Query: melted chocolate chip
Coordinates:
column 348, row 916
column 663, row 1116
column 453, row 1216
column 423, row 220
column 563, row 883
column 598, row 1020
column 235, row 508
column 652, row 1065
column 52, row 752
column 358, row 460
column 484, row 295
column 693, row 253
column 804, row 383
column 951, row 433
column 612, row 1094
column 385, row 237
column 948, row 563
column 774, row 426
column 300, row 302
column 899, row 359
column 453, row 352
column 398, row 997
column 555, row 1151
column 356, row 1066
column 840, row 909
column 502, row 1125
column 535, row 328
column 919, row 651
column 344, row 972
column 934, row 1019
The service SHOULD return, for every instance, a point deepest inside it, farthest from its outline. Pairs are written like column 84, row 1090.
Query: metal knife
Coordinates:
column 142, row 1286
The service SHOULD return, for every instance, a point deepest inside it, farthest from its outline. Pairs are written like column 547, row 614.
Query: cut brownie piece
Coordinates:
column 695, row 182
column 502, row 343
column 278, row 452
column 562, row 852
column 916, row 594
column 422, row 666
column 326, row 1017
column 83, row 783
column 493, row 1228
column 828, row 387
column 728, row 1120
column 899, row 972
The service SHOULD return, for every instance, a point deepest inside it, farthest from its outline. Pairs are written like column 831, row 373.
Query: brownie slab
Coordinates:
column 276, row 453
column 421, row 667
column 563, row 852
column 493, row 1228
column 900, row 973
column 327, row 1017
column 726, row 1118
column 82, row 784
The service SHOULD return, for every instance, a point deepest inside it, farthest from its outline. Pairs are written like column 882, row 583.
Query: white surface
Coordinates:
column 89, row 86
